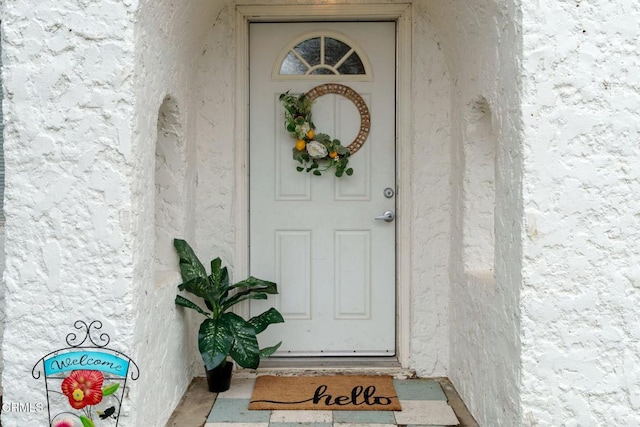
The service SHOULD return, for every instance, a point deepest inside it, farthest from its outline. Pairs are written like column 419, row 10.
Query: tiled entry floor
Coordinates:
column 424, row 403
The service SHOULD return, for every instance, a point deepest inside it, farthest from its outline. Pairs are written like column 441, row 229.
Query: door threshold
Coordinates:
column 289, row 366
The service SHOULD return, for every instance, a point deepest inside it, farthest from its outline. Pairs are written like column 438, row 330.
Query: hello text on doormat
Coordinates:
column 335, row 393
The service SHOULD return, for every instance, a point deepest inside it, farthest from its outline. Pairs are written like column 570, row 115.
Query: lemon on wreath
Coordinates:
column 300, row 144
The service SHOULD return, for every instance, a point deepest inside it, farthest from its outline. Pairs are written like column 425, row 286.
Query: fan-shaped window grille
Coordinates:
column 323, row 56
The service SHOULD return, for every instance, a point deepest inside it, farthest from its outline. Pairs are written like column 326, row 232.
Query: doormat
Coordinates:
column 334, row 393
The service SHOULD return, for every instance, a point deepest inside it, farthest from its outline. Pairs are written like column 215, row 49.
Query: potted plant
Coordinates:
column 223, row 333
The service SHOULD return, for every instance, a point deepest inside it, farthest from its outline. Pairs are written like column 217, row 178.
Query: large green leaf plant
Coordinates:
column 224, row 333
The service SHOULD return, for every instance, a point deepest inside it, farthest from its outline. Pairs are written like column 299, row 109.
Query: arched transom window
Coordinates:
column 325, row 55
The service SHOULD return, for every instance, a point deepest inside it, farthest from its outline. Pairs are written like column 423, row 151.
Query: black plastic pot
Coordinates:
column 219, row 378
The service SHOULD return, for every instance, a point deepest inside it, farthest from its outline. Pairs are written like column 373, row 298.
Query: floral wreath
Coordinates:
column 318, row 153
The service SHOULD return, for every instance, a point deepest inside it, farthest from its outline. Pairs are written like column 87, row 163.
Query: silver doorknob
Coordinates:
column 387, row 216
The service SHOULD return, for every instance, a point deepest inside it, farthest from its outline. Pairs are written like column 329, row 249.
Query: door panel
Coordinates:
column 316, row 236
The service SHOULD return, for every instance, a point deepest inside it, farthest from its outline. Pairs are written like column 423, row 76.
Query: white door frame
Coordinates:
column 401, row 13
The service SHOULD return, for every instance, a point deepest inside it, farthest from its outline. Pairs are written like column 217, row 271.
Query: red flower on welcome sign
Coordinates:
column 83, row 388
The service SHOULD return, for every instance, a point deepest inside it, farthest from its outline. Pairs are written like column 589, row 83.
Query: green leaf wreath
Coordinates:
column 316, row 153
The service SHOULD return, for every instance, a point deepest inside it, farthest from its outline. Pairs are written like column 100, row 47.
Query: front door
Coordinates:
column 318, row 236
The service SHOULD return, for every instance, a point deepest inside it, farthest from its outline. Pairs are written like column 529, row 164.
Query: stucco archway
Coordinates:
column 450, row 69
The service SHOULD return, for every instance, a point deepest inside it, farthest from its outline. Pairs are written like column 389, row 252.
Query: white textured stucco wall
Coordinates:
column 84, row 83
column 2, row 304
column 164, row 204
column 431, row 196
column 482, row 44
column 68, row 108
column 215, row 131
column 581, row 292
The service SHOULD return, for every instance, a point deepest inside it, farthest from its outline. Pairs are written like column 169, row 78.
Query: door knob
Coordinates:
column 387, row 216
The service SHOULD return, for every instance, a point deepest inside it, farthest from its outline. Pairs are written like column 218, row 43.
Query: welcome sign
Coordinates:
column 334, row 393
column 91, row 360
column 85, row 382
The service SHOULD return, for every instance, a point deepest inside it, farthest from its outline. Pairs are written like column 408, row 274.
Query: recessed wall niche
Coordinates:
column 169, row 183
column 479, row 190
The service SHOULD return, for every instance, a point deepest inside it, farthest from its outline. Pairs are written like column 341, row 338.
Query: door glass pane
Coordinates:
column 292, row 65
column 322, row 71
column 334, row 50
column 353, row 65
column 310, row 50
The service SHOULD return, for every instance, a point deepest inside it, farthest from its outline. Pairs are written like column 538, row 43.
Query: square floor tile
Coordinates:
column 236, row 411
column 241, row 388
column 419, row 389
column 236, row 425
column 306, row 416
column 426, row 412
column 362, row 425
column 366, row 417
column 300, row 424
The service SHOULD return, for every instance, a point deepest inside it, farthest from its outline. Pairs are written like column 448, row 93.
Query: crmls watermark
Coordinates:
column 22, row 407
